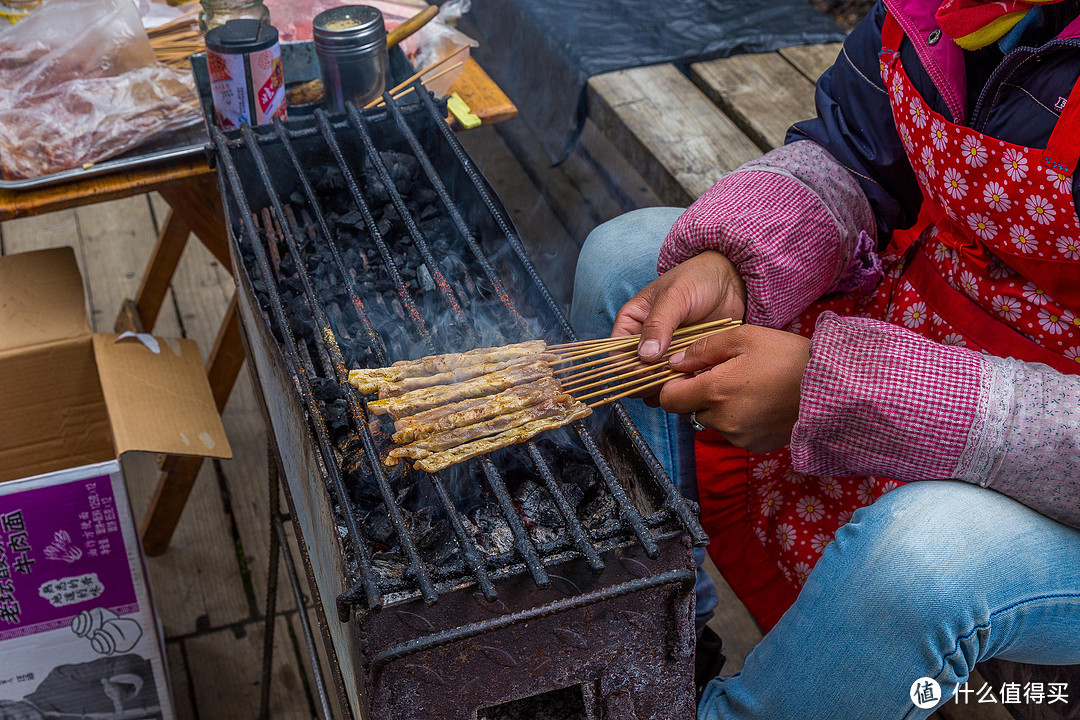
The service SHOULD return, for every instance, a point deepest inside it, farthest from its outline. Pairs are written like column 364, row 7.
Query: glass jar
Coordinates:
column 15, row 10
column 219, row 12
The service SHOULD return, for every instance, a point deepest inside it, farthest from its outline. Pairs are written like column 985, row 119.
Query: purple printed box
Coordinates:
column 78, row 636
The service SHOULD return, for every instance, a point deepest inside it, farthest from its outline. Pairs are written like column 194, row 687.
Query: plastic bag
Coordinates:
column 80, row 84
column 430, row 44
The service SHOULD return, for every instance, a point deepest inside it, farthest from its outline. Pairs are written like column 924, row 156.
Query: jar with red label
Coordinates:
column 247, row 79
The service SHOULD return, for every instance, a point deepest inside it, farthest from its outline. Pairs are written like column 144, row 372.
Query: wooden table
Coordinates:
column 682, row 132
column 190, row 187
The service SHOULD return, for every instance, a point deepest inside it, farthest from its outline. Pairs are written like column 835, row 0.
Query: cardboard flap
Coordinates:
column 41, row 298
column 159, row 401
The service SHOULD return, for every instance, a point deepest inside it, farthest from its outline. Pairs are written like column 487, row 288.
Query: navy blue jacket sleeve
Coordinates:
column 855, row 124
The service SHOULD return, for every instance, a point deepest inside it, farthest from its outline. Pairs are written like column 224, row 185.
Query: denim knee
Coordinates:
column 617, row 260
column 924, row 556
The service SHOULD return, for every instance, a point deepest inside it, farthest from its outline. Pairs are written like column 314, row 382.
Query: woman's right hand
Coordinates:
column 704, row 288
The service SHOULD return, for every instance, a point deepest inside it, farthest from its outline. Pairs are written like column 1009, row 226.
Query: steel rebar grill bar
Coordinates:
column 522, row 541
column 469, row 554
column 417, row 567
column 672, row 497
column 580, row 539
column 445, row 289
column 455, row 214
column 374, row 340
column 371, row 594
column 369, row 221
column 436, row 182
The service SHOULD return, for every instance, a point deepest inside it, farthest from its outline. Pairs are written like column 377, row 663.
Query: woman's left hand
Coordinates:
column 746, row 386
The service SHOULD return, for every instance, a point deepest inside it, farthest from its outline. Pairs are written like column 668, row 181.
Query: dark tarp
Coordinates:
column 542, row 52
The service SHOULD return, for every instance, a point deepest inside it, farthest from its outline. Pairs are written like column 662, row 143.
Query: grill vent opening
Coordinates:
column 563, row 704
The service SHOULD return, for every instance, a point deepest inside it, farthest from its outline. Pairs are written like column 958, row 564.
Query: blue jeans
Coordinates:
column 929, row 580
column 617, row 260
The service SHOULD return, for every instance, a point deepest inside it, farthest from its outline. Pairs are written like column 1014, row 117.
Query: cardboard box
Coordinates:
column 78, row 635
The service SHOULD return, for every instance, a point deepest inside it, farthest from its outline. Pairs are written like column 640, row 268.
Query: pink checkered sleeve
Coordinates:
column 880, row 400
column 794, row 222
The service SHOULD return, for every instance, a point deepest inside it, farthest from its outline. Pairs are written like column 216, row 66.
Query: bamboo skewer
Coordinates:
column 418, row 74
column 628, row 358
column 624, row 373
column 426, row 80
column 572, row 381
column 629, row 341
column 633, row 385
column 678, row 331
column 175, row 41
column 627, row 354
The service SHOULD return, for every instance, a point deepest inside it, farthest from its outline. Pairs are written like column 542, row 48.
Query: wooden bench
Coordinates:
column 682, row 132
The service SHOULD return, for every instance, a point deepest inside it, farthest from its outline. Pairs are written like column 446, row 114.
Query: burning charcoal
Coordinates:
column 378, row 526
column 424, row 275
column 329, row 178
column 537, row 506
column 353, row 218
column 425, row 196
column 493, row 531
column 402, row 168
column 325, row 390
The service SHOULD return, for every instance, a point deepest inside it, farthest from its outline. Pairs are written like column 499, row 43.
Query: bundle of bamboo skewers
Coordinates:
column 450, row 408
column 611, row 369
column 177, row 40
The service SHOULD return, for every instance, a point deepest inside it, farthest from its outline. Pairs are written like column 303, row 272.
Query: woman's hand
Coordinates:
column 746, row 386
column 704, row 288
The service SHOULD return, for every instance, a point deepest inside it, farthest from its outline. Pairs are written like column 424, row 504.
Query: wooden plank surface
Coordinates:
column 486, row 99
column 183, row 702
column 762, row 93
column 668, row 129
column 226, row 671
column 733, row 623
column 812, row 60
column 20, row 203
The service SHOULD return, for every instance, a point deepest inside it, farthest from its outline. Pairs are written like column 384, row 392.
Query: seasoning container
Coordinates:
column 15, row 10
column 218, row 12
column 351, row 44
column 247, row 79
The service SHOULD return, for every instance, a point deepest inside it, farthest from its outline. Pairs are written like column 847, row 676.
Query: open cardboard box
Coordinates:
column 78, row 634
column 71, row 397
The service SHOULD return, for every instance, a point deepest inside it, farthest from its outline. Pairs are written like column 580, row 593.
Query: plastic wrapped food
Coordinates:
column 81, row 85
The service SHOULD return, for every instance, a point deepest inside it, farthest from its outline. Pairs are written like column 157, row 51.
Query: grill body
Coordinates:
column 596, row 620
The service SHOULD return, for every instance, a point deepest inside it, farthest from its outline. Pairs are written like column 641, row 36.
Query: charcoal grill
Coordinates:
column 550, row 579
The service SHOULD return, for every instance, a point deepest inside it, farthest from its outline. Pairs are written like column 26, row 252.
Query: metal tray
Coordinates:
column 300, row 64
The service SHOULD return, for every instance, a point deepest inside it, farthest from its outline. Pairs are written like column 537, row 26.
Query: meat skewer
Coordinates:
column 441, row 363
column 424, row 447
column 467, row 372
column 467, row 412
column 425, row 398
column 367, row 380
column 441, row 460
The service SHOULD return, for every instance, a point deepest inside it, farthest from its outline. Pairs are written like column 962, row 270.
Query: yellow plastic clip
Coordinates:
column 461, row 112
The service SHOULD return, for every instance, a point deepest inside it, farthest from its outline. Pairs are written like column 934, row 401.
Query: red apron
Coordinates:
column 992, row 264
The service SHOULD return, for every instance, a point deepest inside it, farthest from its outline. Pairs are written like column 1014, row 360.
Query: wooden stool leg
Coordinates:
column 140, row 314
column 178, row 473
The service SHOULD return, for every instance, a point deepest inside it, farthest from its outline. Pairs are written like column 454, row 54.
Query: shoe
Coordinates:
column 708, row 660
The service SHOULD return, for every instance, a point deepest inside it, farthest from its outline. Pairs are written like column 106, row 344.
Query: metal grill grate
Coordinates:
column 260, row 168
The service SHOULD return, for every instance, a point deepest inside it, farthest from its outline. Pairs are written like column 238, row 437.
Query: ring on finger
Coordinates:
column 694, row 422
